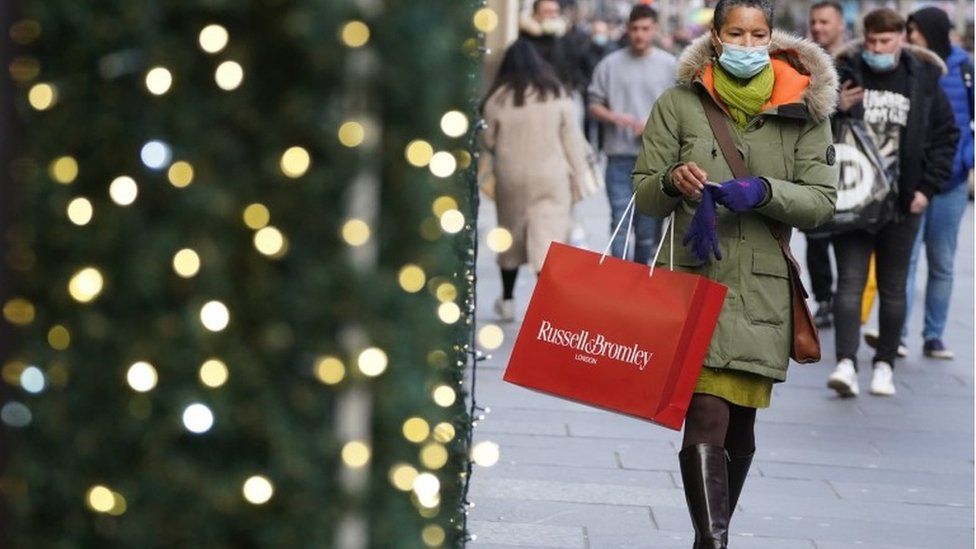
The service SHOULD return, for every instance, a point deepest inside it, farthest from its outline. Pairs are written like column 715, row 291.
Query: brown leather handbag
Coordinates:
column 806, row 340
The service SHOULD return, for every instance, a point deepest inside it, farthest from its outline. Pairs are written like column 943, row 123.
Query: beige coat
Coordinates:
column 539, row 151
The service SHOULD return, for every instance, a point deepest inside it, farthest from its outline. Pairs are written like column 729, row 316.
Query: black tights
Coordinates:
column 508, row 282
column 713, row 420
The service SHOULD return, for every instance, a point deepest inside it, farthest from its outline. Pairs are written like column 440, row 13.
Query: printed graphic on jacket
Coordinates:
column 886, row 113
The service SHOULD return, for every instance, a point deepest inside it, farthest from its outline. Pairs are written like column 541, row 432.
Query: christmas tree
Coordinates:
column 243, row 265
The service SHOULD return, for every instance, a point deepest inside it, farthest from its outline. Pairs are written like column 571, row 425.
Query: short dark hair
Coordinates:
column 723, row 7
column 884, row 20
column 535, row 5
column 828, row 4
column 642, row 11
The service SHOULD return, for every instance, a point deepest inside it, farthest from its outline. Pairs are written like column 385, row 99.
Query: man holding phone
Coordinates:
column 827, row 28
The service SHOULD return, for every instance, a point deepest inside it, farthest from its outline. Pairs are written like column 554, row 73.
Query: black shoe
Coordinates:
column 871, row 338
column 825, row 316
column 704, row 472
column 934, row 348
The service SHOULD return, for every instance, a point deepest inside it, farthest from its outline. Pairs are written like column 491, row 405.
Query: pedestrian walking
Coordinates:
column 538, row 154
column 776, row 93
column 827, row 30
column 939, row 227
column 625, row 85
column 909, row 119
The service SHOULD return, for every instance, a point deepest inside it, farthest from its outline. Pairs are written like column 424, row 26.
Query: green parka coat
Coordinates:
column 789, row 145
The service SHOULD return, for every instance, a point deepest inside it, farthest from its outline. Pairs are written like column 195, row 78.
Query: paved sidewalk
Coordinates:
column 829, row 473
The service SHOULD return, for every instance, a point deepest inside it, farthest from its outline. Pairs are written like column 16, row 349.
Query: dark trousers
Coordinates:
column 892, row 245
column 818, row 263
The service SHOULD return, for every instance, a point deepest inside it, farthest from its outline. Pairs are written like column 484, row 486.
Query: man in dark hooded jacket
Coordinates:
column 929, row 28
column 910, row 121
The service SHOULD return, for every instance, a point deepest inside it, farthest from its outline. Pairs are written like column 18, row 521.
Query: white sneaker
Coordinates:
column 505, row 309
column 844, row 379
column 883, row 379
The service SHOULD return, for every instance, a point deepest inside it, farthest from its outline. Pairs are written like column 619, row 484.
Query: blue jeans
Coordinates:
column 939, row 231
column 619, row 190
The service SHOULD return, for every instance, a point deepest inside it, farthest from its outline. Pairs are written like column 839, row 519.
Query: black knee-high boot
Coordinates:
column 738, row 471
column 704, row 472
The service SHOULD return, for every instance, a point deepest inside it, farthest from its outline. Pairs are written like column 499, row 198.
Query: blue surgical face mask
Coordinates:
column 879, row 62
column 601, row 39
column 742, row 61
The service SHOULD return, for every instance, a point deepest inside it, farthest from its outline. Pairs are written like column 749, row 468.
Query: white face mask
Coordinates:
column 555, row 27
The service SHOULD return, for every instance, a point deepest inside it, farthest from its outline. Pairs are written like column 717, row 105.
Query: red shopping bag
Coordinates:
column 608, row 335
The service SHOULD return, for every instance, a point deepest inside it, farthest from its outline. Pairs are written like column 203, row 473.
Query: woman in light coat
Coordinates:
column 776, row 93
column 539, row 151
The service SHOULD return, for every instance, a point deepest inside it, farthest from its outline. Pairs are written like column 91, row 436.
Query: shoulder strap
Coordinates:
column 721, row 131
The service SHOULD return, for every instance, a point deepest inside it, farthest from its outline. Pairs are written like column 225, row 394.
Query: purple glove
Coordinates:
column 703, row 232
column 740, row 195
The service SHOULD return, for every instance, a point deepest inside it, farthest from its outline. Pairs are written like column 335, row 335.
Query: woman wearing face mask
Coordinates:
column 775, row 93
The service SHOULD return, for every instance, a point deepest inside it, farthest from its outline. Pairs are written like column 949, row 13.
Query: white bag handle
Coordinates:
column 630, row 209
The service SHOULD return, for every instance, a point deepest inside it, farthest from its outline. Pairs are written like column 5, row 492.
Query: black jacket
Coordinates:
column 928, row 140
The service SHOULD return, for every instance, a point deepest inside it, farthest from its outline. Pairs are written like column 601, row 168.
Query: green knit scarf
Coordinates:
column 744, row 98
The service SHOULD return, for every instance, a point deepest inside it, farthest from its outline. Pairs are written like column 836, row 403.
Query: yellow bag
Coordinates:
column 870, row 291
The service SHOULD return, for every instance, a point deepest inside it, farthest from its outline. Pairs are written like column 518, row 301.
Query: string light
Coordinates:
column 499, row 240
column 329, row 370
column 449, row 312
column 214, row 373
column 443, row 204
column 159, row 80
column 142, row 377
column 42, row 96
column 485, row 453
column 419, row 153
column 454, row 124
column 416, row 429
column 186, row 263
column 452, row 222
column 214, row 316
column 351, row 134
column 433, row 456
column 32, row 380
column 80, row 211
column 444, row 432
column 18, row 311
column 123, row 190
column 355, row 34
column 86, row 284
column 485, row 20
column 443, row 164
column 372, row 362
column 213, row 38
column 256, row 216
column 412, row 278
column 444, row 396
column 355, row 232
column 491, row 337
column 258, row 490
column 58, row 337
column 100, row 499
column 295, row 162
column 269, row 241
column 156, row 154
column 446, row 292
column 197, row 418
column 229, row 75
column 64, row 170
column 355, row 454
column 402, row 476
column 180, row 174
column 433, row 535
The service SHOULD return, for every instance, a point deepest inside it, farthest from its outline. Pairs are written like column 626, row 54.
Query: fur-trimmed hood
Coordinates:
column 802, row 54
column 854, row 47
column 530, row 27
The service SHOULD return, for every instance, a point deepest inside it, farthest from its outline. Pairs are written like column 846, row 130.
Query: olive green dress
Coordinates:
column 738, row 387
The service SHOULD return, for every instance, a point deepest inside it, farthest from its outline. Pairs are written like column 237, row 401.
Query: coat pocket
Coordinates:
column 766, row 298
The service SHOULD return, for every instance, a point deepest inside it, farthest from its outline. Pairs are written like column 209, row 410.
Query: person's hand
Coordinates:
column 625, row 122
column 702, row 235
column 740, row 195
column 919, row 203
column 638, row 127
column 689, row 180
column 850, row 95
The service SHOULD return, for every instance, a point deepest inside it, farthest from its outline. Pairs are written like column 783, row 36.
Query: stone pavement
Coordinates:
column 829, row 473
